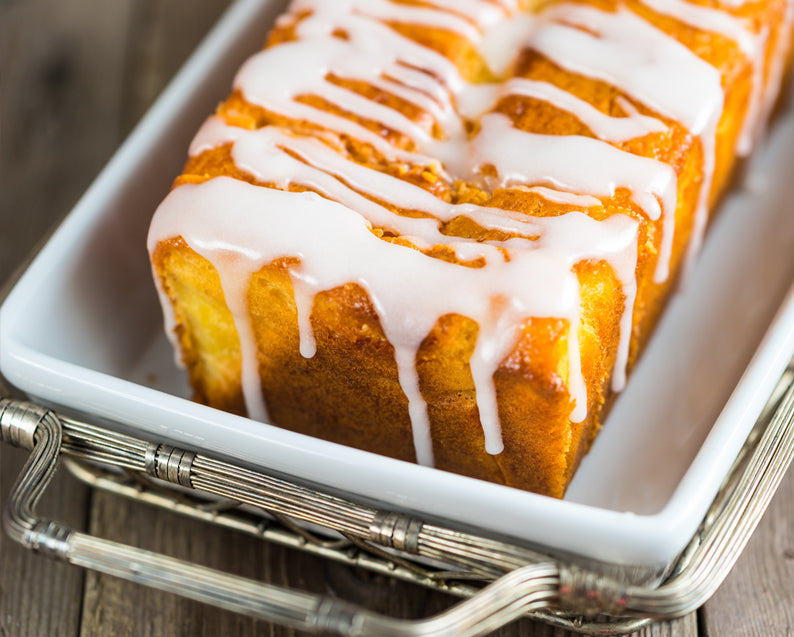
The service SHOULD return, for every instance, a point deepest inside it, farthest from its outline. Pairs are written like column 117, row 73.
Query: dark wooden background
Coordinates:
column 75, row 76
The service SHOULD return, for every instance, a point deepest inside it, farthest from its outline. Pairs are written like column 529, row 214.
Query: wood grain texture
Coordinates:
column 74, row 78
column 757, row 598
column 60, row 101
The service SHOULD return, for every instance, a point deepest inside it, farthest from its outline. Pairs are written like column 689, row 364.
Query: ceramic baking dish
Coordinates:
column 82, row 330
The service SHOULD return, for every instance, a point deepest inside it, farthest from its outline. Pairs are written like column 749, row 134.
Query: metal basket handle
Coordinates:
column 528, row 588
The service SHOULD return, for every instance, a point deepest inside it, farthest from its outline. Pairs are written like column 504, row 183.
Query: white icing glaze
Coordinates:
column 484, row 14
column 605, row 58
column 504, row 40
column 235, row 280
column 275, row 77
column 753, row 45
column 600, row 169
column 240, row 227
column 476, row 99
column 415, row 15
column 736, row 4
column 262, row 154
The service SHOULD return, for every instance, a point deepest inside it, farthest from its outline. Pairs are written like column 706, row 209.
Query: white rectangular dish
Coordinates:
column 82, row 330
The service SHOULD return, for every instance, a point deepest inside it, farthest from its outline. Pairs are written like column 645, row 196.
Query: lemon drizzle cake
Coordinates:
column 507, row 193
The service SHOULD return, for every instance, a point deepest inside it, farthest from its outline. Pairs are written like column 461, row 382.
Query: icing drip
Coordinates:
column 485, row 14
column 304, row 298
column 528, row 275
column 235, row 279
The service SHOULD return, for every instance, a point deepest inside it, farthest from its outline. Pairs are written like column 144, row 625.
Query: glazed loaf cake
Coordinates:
column 443, row 230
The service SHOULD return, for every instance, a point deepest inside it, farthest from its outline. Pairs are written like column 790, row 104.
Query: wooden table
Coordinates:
column 75, row 76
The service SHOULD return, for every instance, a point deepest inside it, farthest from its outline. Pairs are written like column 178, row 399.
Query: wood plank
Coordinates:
column 161, row 37
column 61, row 70
column 757, row 598
column 59, row 120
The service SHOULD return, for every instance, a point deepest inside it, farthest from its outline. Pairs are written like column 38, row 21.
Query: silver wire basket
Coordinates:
column 499, row 580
